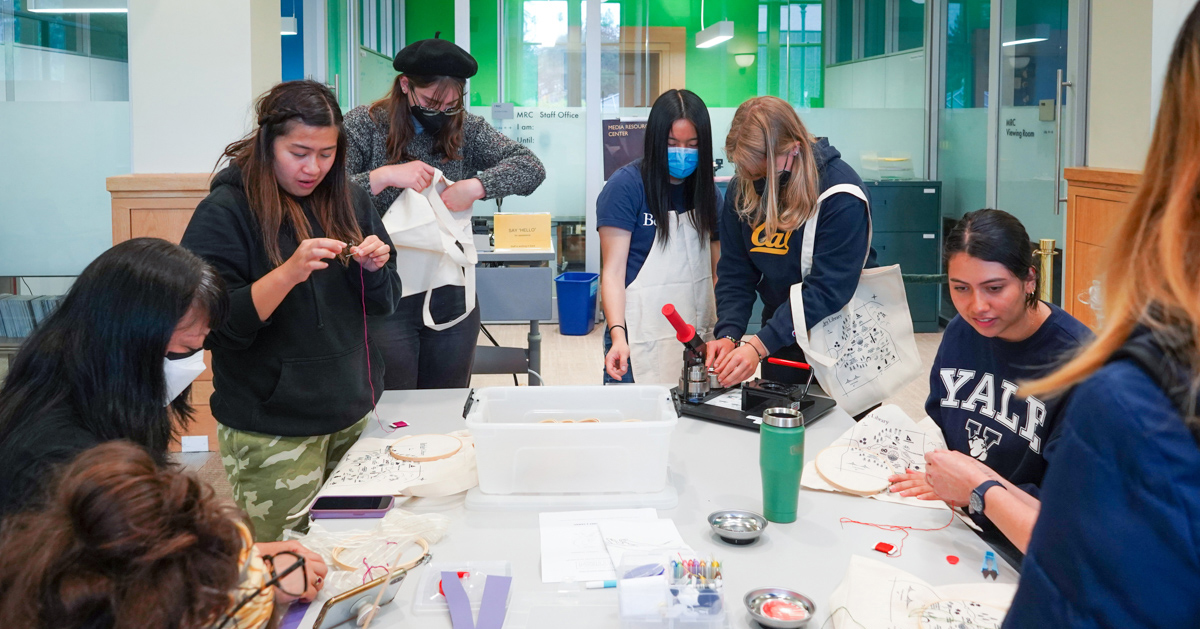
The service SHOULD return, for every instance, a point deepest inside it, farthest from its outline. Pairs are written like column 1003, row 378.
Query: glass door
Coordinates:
column 1035, row 111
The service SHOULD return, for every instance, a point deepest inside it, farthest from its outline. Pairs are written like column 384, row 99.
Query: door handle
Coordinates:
column 1058, row 108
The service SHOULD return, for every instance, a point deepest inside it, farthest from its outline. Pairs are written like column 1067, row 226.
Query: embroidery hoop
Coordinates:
column 337, row 552
column 828, row 473
column 435, row 447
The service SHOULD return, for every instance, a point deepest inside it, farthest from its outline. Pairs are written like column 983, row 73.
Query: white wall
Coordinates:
column 1131, row 45
column 1168, row 17
column 892, row 82
column 193, row 78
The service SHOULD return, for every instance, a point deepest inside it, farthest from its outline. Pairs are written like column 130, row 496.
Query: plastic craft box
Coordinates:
column 518, row 454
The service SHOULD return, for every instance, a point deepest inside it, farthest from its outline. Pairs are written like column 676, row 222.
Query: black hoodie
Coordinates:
column 303, row 371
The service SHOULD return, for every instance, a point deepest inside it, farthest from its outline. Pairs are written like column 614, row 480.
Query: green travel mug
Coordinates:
column 781, row 458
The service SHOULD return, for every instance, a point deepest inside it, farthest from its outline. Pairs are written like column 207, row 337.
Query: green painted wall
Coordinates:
column 423, row 18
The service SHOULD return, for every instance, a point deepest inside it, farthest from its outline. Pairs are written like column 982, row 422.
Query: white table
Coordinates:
column 713, row 467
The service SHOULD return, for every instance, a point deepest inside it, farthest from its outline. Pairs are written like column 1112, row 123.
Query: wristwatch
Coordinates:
column 976, row 504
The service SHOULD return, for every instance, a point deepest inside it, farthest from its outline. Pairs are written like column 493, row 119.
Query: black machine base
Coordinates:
column 756, row 396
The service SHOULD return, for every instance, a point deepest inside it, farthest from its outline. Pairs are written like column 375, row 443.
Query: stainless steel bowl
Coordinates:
column 737, row 527
column 760, row 602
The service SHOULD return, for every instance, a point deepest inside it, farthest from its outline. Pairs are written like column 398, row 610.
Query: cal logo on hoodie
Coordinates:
column 776, row 245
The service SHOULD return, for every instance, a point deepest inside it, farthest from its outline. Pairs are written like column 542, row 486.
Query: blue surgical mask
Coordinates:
column 682, row 161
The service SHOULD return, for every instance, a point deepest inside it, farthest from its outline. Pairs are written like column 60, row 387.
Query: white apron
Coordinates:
column 681, row 274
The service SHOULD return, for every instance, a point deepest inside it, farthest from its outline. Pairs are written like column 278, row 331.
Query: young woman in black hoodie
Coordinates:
column 306, row 259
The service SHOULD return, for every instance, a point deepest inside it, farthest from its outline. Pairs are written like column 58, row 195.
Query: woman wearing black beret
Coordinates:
column 396, row 143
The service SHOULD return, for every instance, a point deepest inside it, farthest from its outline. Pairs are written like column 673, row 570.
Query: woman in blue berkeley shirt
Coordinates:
column 782, row 171
column 1002, row 336
column 1117, row 542
column 657, row 219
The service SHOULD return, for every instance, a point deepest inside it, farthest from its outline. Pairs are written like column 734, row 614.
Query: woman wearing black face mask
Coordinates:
column 782, row 171
column 396, row 143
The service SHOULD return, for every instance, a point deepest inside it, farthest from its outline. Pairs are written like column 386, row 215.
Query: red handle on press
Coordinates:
column 789, row 363
column 683, row 331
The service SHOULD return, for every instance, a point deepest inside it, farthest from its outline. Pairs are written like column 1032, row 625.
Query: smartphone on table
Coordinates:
column 351, row 507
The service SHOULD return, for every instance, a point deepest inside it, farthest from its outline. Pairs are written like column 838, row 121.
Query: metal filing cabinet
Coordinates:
column 906, row 218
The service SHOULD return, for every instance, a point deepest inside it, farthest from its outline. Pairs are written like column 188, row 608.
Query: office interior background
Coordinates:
column 993, row 99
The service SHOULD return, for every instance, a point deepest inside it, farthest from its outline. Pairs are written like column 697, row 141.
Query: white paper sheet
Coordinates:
column 573, row 548
column 643, row 537
column 890, row 433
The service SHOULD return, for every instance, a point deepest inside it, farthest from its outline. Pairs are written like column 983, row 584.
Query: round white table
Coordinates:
column 713, row 466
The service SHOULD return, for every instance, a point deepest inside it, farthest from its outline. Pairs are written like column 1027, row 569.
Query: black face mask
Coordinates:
column 760, row 185
column 432, row 123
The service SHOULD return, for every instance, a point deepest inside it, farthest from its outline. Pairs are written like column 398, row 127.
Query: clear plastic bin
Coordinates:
column 663, row 602
column 519, row 454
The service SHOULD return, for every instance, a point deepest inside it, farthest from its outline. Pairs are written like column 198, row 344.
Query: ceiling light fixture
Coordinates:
column 78, row 6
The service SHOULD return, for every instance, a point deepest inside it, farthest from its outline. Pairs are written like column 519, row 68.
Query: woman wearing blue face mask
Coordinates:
column 657, row 219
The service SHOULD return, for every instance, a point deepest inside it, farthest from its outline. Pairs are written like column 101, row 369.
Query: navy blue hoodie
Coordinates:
column 748, row 264
column 1117, row 540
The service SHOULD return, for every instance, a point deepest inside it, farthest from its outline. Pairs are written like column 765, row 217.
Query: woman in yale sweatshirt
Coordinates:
column 781, row 171
column 305, row 258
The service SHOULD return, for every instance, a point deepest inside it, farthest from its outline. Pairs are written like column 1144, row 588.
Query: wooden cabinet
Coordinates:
column 1097, row 199
column 160, row 206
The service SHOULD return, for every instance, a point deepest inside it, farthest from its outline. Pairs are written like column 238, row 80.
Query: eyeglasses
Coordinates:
column 428, row 111
column 276, row 581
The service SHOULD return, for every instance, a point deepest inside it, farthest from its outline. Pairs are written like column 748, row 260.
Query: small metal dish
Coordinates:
column 778, row 608
column 737, row 527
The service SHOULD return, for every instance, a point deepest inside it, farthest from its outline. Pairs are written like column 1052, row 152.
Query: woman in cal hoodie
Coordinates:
column 305, row 258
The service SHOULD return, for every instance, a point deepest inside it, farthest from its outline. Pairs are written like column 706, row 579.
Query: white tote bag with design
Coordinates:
column 434, row 246
column 865, row 352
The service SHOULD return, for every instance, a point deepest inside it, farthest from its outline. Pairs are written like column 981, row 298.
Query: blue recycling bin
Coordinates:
column 577, row 302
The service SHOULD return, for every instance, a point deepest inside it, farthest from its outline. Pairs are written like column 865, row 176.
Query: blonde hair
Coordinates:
column 1150, row 273
column 764, row 128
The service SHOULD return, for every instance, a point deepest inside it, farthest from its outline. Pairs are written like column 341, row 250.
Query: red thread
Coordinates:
column 367, row 344
column 897, row 527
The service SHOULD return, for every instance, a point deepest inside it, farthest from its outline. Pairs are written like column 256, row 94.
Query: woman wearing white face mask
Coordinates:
column 112, row 362
column 657, row 219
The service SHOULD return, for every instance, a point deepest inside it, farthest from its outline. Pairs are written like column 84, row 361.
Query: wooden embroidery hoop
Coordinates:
column 828, row 476
column 449, row 446
column 337, row 552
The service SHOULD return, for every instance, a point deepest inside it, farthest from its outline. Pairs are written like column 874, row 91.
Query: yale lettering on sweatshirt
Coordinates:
column 983, row 400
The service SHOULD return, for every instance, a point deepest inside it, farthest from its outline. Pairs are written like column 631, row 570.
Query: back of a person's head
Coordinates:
column 120, row 543
column 100, row 353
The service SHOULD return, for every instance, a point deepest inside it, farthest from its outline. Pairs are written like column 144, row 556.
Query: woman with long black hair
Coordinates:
column 115, row 360
column 657, row 219
column 306, row 259
column 395, row 144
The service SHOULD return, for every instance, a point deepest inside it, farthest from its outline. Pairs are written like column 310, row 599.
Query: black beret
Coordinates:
column 435, row 57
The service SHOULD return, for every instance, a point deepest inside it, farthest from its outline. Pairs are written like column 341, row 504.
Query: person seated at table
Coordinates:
column 123, row 542
column 115, row 360
column 1003, row 335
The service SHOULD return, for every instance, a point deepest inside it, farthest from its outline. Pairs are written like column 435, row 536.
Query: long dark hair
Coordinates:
column 285, row 105
column 698, row 189
column 121, row 543
column 995, row 236
column 394, row 107
column 100, row 353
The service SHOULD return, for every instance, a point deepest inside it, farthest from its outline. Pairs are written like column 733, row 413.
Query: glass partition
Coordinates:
column 64, row 103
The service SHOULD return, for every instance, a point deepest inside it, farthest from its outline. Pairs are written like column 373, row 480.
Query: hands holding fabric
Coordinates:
column 950, row 476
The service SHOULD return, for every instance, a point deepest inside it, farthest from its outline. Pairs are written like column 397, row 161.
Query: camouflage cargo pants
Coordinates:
column 273, row 477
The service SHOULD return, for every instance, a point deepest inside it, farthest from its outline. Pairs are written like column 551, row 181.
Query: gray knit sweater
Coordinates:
column 503, row 166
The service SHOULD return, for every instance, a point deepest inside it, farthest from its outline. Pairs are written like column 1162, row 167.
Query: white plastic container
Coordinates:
column 517, row 454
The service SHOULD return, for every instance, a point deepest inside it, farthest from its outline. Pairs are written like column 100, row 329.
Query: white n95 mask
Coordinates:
column 181, row 372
